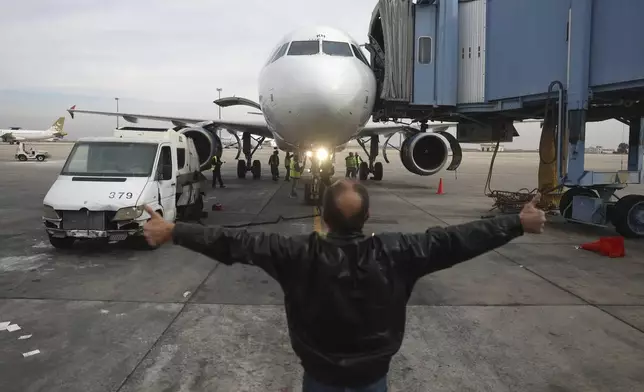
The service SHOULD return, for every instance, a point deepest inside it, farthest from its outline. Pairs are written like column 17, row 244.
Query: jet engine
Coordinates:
column 207, row 144
column 426, row 154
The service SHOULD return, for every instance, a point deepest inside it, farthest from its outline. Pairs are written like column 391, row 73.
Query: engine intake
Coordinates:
column 207, row 144
column 426, row 154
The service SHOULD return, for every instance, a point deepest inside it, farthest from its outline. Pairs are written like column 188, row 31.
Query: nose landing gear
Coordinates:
column 314, row 191
column 248, row 164
column 322, row 173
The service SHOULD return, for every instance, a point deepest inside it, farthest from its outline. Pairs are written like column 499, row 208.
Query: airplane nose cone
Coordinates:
column 326, row 100
column 326, row 90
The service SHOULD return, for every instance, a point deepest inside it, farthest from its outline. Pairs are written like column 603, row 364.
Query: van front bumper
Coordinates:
column 111, row 235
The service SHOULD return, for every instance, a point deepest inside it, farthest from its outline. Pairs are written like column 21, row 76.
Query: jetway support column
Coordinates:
column 636, row 147
column 579, row 34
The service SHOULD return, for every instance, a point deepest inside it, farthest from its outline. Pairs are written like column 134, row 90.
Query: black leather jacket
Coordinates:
column 346, row 294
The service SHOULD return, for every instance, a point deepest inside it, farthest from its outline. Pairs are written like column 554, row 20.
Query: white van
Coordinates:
column 106, row 181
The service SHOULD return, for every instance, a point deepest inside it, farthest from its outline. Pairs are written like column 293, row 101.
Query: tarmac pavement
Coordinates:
column 535, row 315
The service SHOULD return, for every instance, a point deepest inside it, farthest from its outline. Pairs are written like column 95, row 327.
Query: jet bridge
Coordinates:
column 486, row 63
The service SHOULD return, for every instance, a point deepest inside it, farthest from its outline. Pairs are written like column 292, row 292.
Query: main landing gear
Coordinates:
column 372, row 167
column 248, row 164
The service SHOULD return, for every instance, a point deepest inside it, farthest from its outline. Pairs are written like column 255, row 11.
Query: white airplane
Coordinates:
column 15, row 135
column 316, row 93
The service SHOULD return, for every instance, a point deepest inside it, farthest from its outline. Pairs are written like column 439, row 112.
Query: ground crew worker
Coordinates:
column 287, row 165
column 358, row 162
column 274, row 163
column 216, row 171
column 350, row 162
column 347, row 291
column 296, row 170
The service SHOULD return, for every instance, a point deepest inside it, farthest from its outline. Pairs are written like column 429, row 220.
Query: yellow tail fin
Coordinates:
column 57, row 127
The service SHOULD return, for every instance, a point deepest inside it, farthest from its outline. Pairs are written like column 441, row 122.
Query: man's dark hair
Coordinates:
column 333, row 216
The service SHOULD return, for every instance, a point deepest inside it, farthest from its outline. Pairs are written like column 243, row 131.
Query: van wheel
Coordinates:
column 40, row 158
column 139, row 242
column 61, row 243
column 193, row 211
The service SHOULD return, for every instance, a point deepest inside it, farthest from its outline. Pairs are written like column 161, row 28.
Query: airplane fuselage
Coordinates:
column 27, row 134
column 316, row 90
column 19, row 134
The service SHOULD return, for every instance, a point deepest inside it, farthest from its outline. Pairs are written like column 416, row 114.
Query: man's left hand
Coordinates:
column 532, row 218
column 157, row 230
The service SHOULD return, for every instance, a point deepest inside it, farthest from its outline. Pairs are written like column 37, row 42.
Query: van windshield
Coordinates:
column 108, row 159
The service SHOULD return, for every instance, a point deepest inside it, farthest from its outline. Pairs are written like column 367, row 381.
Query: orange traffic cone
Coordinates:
column 440, row 187
column 594, row 246
column 607, row 246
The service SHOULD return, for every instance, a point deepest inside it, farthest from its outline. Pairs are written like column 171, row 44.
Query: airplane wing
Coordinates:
column 255, row 128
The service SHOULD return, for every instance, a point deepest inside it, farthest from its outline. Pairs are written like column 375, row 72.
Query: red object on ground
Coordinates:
column 217, row 207
column 607, row 246
column 440, row 187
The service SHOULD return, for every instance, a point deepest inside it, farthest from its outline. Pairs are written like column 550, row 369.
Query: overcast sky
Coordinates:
column 161, row 57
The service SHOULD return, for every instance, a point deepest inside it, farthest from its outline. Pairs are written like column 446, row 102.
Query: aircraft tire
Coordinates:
column 378, row 171
column 323, row 186
column 241, row 168
column 363, row 171
column 627, row 216
column 256, row 169
column 308, row 194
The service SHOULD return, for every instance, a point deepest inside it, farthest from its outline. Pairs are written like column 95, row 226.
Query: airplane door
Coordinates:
column 167, row 183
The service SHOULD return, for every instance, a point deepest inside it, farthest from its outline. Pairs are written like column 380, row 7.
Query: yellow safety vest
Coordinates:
column 294, row 173
column 350, row 161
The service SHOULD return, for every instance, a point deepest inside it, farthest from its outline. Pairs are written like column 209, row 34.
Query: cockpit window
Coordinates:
column 359, row 54
column 304, row 48
column 280, row 52
column 335, row 48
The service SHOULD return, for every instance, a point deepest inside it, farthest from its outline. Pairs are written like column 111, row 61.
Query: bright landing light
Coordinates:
column 309, row 154
column 322, row 154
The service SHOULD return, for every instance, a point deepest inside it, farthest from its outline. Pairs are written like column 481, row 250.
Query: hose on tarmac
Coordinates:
column 275, row 221
column 279, row 219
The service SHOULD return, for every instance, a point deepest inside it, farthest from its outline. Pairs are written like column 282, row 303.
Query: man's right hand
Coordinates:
column 533, row 219
column 157, row 230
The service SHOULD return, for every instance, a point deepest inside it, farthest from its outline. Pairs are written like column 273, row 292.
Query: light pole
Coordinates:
column 219, row 92
column 219, row 89
column 117, row 110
